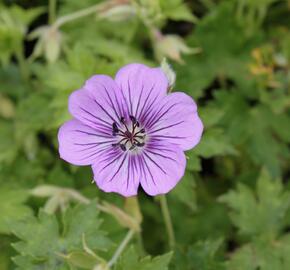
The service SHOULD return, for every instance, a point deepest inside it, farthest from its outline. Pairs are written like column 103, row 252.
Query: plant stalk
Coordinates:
column 86, row 11
column 167, row 221
column 51, row 11
column 121, row 248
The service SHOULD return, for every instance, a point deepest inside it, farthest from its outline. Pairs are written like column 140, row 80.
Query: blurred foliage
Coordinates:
column 231, row 211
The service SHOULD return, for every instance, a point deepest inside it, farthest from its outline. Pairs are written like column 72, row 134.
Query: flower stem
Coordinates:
column 51, row 11
column 77, row 15
column 133, row 208
column 140, row 244
column 85, row 12
column 167, row 221
column 121, row 248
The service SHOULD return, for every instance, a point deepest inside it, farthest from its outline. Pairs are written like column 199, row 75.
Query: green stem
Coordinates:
column 78, row 14
column 121, row 248
column 167, row 221
column 22, row 63
column 51, row 11
column 140, row 244
column 133, row 208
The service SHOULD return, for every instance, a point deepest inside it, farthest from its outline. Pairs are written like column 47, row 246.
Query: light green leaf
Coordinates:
column 185, row 191
column 47, row 244
column 177, row 10
column 8, row 148
column 214, row 142
column 260, row 213
column 262, row 254
column 203, row 256
column 12, row 207
column 131, row 261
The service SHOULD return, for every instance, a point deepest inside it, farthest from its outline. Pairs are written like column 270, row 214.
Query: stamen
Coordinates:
column 133, row 146
column 134, row 121
column 140, row 137
column 140, row 131
column 123, row 147
column 115, row 129
column 139, row 144
column 128, row 134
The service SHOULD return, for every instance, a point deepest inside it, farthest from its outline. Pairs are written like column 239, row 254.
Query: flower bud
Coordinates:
column 48, row 44
column 169, row 72
column 52, row 45
column 172, row 46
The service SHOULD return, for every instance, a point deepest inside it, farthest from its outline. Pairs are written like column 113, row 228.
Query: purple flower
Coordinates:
column 131, row 131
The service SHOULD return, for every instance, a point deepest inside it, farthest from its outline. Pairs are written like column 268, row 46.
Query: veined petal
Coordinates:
column 80, row 144
column 117, row 171
column 175, row 120
column 98, row 104
column 106, row 93
column 162, row 166
column 142, row 87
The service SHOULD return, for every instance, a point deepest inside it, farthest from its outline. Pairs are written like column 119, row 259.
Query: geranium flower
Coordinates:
column 131, row 131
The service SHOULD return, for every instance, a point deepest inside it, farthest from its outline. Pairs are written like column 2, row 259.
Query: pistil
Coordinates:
column 132, row 135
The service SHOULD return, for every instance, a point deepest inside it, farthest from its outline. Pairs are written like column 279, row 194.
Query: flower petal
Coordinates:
column 162, row 166
column 98, row 104
column 142, row 87
column 79, row 144
column 117, row 171
column 175, row 120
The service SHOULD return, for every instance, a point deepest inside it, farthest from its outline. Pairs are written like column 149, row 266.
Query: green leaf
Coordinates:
column 225, row 52
column 214, row 142
column 263, row 255
column 131, row 261
column 12, row 207
column 177, row 10
column 203, row 256
column 263, row 147
column 193, row 161
column 60, row 240
column 8, row 148
column 260, row 213
column 14, row 22
column 84, row 220
column 33, row 114
column 185, row 191
column 81, row 259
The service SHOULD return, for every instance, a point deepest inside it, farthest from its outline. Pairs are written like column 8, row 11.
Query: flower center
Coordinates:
column 130, row 133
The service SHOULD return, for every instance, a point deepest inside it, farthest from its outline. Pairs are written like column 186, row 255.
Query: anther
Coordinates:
column 133, row 119
column 115, row 128
column 129, row 135
column 123, row 147
column 132, row 147
column 122, row 119
column 139, row 144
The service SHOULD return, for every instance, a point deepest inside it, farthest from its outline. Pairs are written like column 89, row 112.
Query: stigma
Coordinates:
column 131, row 135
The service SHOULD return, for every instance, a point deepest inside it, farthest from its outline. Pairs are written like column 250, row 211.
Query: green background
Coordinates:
column 231, row 211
